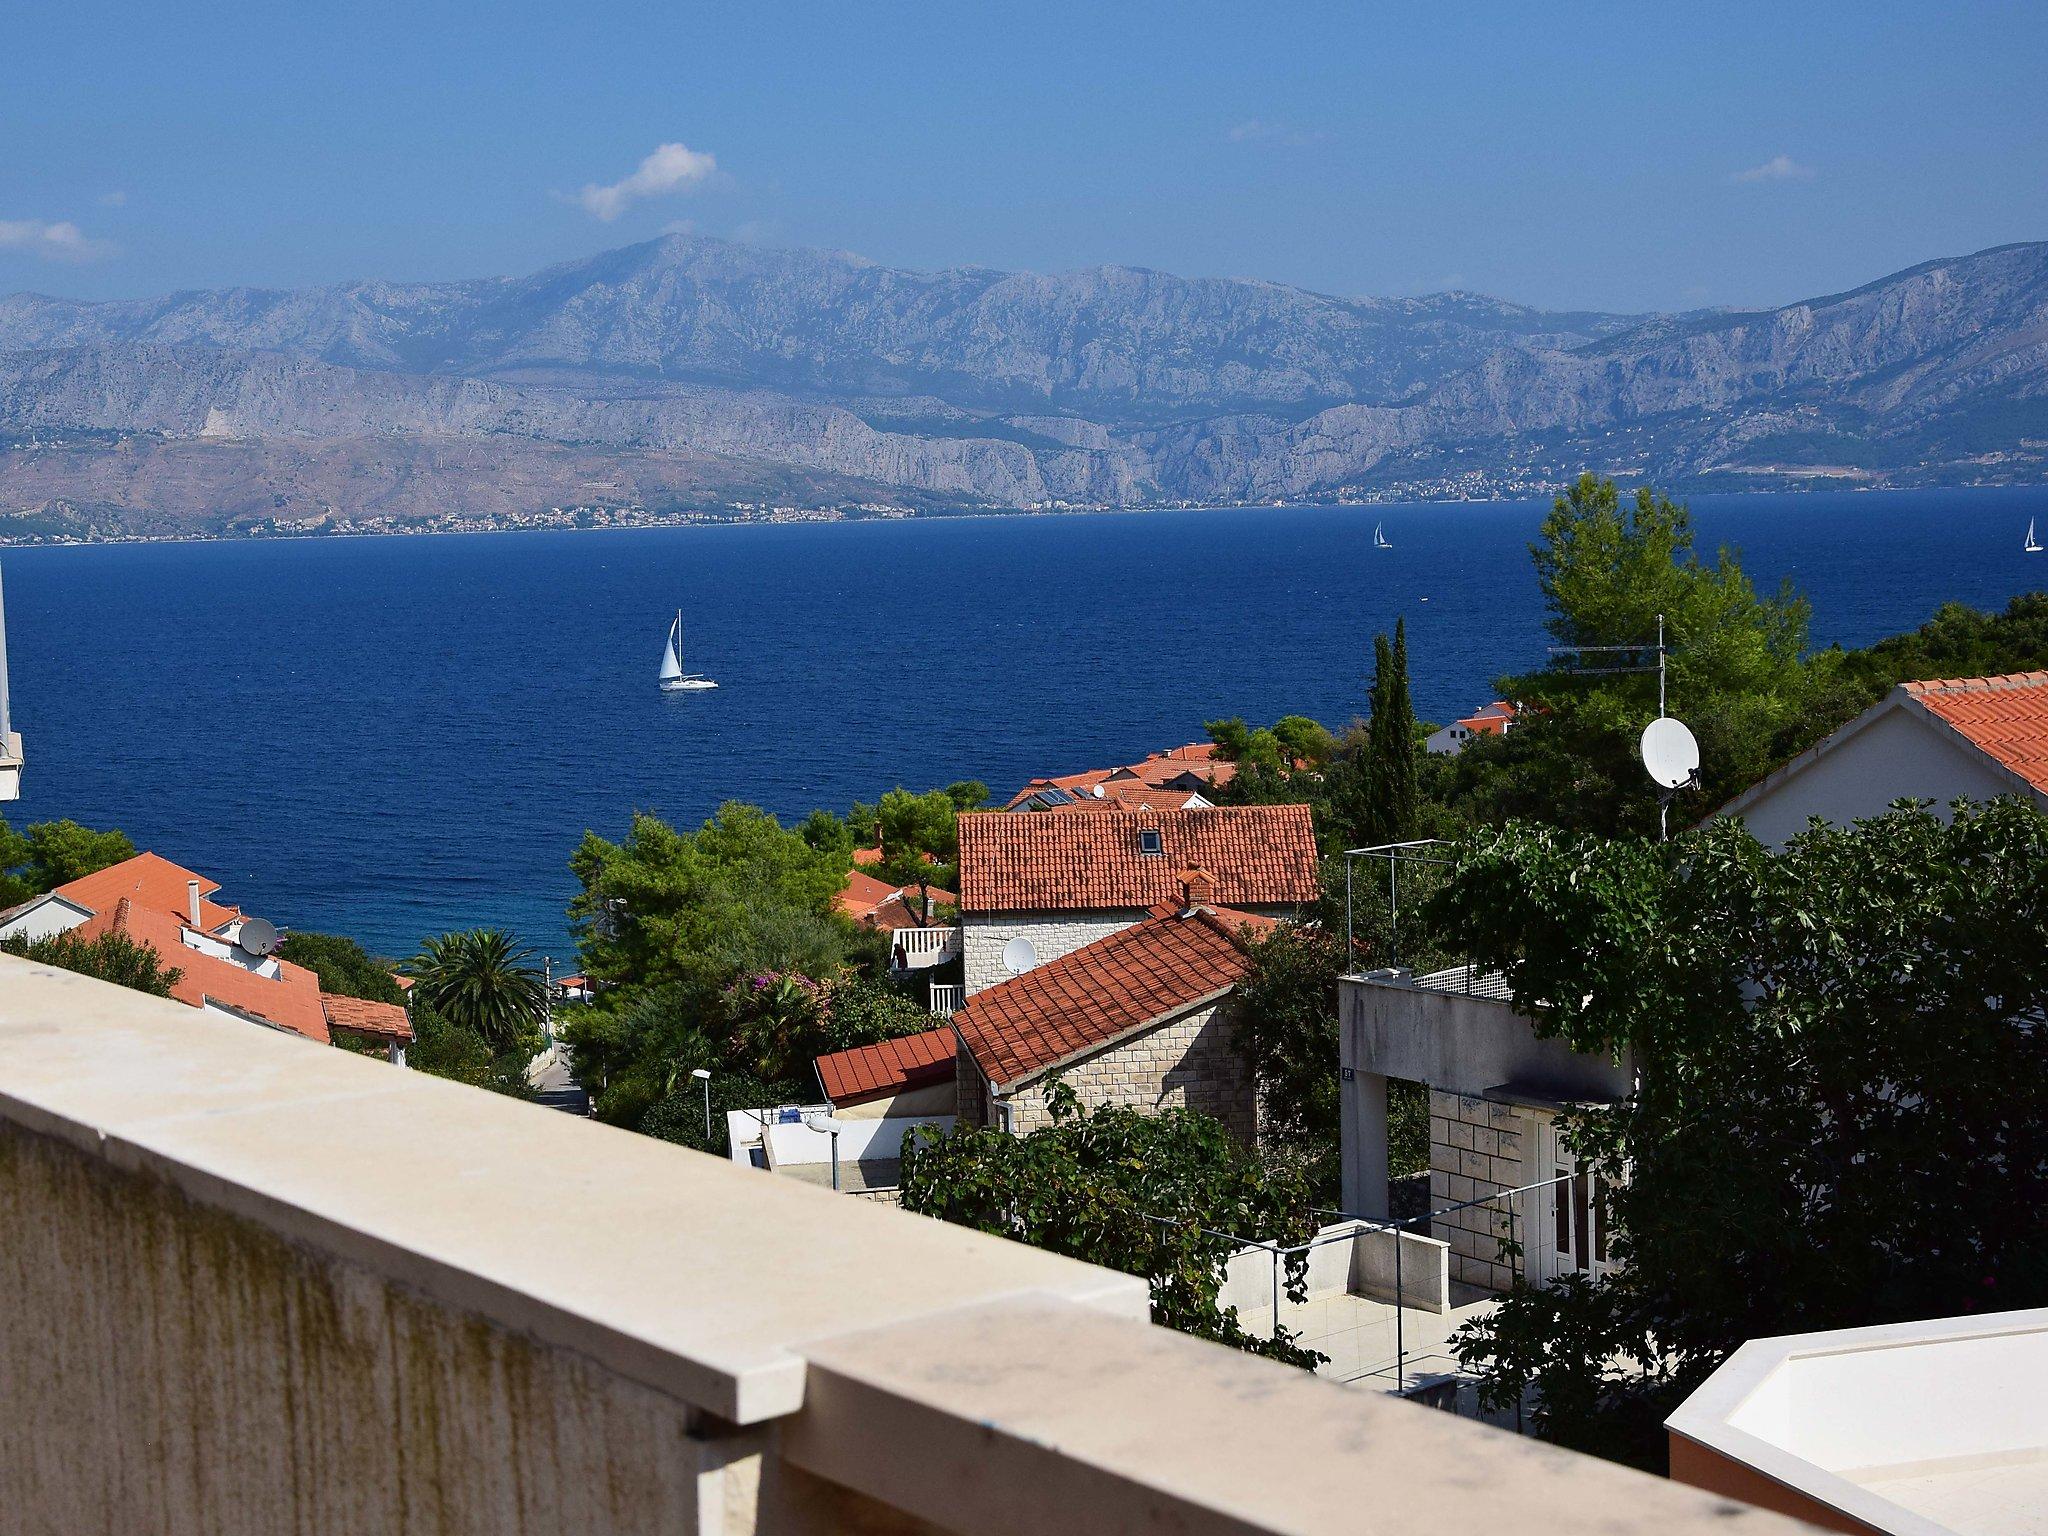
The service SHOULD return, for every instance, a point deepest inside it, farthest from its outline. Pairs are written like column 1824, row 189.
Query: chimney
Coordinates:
column 1197, row 888
column 192, row 903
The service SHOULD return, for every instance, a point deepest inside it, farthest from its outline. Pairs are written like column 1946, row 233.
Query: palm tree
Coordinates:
column 483, row 981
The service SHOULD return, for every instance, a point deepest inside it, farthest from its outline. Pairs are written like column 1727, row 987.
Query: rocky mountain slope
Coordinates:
column 722, row 372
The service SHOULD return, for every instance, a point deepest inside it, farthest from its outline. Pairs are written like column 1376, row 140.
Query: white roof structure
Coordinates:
column 1916, row 1429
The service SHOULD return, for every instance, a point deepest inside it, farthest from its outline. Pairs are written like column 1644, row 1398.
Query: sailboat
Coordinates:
column 2033, row 545
column 1379, row 537
column 673, row 678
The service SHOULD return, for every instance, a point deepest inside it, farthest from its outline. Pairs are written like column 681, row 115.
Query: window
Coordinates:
column 1149, row 840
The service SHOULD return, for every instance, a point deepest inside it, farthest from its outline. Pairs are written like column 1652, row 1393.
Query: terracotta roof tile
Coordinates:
column 1099, row 992
column 862, row 893
column 2006, row 717
column 387, row 1021
column 290, row 1000
column 1259, row 855
column 879, row 1071
column 150, row 881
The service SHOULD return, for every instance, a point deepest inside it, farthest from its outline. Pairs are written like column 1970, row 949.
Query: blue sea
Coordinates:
column 391, row 737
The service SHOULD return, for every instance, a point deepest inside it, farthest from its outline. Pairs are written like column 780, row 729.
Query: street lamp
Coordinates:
column 705, row 1078
column 830, row 1127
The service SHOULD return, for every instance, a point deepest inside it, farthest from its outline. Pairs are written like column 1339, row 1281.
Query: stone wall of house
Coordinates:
column 1052, row 934
column 1477, row 1148
column 1187, row 1062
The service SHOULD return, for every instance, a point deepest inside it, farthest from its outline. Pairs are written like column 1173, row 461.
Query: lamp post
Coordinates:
column 705, row 1078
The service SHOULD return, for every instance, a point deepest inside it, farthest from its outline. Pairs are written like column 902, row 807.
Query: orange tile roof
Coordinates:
column 151, row 881
column 862, row 894
column 291, row 1000
column 387, row 1021
column 1259, row 855
column 871, row 1072
column 1098, row 993
column 1127, row 792
column 2006, row 717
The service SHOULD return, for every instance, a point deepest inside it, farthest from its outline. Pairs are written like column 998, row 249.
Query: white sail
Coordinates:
column 2033, row 545
column 1379, row 537
column 672, row 664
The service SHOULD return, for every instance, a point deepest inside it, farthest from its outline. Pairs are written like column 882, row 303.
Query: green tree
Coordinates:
column 1842, row 1111
column 741, row 892
column 1391, row 777
column 921, row 838
column 47, row 854
column 1608, row 567
column 679, row 1115
column 481, row 980
column 1089, row 1184
column 1286, row 1033
column 442, row 1048
column 111, row 957
column 343, row 966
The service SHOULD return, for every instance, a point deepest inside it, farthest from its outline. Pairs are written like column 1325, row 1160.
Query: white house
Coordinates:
column 1967, row 738
column 1494, row 720
column 1034, row 888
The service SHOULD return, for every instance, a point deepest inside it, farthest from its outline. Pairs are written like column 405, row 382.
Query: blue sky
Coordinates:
column 1614, row 156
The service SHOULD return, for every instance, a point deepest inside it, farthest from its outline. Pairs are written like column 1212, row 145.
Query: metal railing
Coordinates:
column 914, row 949
column 1397, row 856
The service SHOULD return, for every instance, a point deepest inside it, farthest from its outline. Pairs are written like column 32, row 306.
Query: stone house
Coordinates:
column 1141, row 1017
column 1034, row 888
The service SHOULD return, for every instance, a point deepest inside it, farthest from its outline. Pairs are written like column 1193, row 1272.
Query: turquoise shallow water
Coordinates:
column 393, row 736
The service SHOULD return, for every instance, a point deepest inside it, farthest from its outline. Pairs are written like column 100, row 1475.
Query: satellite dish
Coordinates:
column 1019, row 956
column 1097, row 792
column 1670, row 753
column 256, row 936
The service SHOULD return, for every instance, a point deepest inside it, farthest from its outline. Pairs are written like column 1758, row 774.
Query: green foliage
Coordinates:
column 481, row 980
column 1390, row 789
column 1287, row 1035
column 920, row 836
column 47, row 854
column 1088, row 1184
column 1842, row 1116
column 441, row 1048
column 739, row 893
column 343, row 966
column 111, row 957
column 1608, row 567
column 679, row 1117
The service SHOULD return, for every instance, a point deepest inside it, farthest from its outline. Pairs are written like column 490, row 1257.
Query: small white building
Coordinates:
column 1970, row 738
column 1494, row 720
column 1936, row 1428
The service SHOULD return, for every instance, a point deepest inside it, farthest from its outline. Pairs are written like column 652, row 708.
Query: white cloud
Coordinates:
column 1777, row 168
column 61, row 241
column 671, row 168
column 1256, row 131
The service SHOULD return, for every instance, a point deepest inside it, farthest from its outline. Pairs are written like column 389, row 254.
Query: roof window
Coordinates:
column 1149, row 840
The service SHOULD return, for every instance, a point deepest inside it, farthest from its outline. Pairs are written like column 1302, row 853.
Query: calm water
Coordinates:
column 389, row 737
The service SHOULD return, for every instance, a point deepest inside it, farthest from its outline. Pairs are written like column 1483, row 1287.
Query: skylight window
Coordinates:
column 1149, row 840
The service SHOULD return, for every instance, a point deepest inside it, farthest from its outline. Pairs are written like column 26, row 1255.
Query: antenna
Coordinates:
column 1019, row 955
column 256, row 936
column 1668, row 749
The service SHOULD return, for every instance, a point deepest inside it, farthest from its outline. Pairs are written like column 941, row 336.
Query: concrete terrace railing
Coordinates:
column 256, row 1286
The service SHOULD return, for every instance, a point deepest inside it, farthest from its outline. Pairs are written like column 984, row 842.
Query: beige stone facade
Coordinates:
column 1477, row 1148
column 1187, row 1062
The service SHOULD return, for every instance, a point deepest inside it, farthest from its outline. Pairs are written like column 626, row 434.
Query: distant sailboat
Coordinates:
column 2033, row 545
column 1379, row 537
column 673, row 678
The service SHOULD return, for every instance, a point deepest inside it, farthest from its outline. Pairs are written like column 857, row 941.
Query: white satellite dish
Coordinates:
column 1096, row 792
column 256, row 936
column 1670, row 753
column 1019, row 956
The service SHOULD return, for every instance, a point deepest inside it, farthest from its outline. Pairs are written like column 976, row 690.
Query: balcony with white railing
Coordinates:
column 946, row 999
column 257, row 1285
column 919, row 949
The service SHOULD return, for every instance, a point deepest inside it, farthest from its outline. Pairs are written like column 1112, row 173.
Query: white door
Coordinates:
column 1569, row 1223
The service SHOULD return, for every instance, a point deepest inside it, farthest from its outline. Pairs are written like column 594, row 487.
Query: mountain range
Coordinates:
column 689, row 374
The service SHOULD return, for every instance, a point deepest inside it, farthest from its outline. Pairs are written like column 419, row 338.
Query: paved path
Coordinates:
column 556, row 1084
